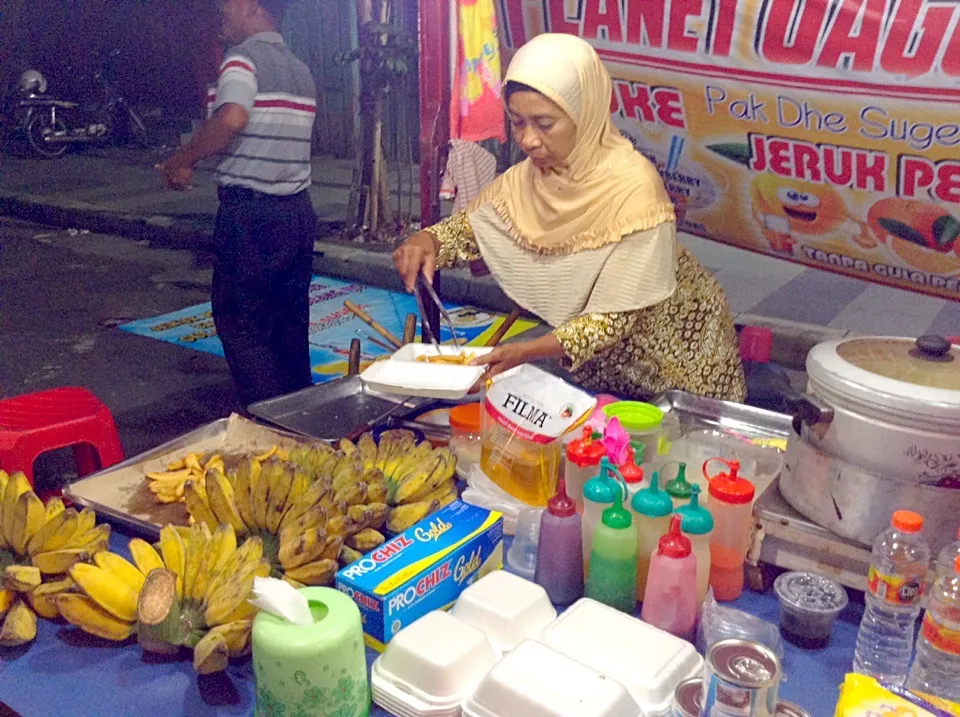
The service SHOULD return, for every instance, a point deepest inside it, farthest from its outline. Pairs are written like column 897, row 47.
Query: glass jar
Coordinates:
column 465, row 436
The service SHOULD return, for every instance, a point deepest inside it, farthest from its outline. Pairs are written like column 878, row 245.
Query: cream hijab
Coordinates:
column 599, row 236
column 606, row 190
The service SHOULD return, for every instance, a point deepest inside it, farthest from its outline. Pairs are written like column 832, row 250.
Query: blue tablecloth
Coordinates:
column 66, row 672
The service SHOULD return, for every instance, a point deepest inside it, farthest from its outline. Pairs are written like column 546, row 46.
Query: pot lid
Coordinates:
column 920, row 377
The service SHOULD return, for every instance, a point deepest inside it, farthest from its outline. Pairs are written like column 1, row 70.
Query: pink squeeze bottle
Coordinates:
column 560, row 549
column 670, row 602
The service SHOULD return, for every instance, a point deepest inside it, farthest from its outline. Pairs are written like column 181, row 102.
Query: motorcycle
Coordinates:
column 50, row 124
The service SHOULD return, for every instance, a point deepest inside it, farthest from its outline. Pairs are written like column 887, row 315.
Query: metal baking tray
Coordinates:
column 699, row 412
column 120, row 493
column 331, row 411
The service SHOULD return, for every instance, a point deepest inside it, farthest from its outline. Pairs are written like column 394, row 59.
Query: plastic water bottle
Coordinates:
column 948, row 558
column 936, row 671
column 901, row 557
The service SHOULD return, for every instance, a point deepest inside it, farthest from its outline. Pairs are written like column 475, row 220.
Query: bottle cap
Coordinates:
column 634, row 415
column 729, row 487
column 631, row 472
column 616, row 516
column 652, row 502
column 675, row 544
column 584, row 452
column 603, row 488
column 466, row 417
column 561, row 505
column 697, row 520
column 907, row 521
column 679, row 487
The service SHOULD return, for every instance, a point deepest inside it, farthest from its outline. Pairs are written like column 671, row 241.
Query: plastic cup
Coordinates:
column 809, row 604
column 522, row 556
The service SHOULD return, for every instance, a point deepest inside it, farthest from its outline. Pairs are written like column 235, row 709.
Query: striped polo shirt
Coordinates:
column 272, row 153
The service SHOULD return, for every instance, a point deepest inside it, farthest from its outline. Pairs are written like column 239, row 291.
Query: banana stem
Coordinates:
column 161, row 623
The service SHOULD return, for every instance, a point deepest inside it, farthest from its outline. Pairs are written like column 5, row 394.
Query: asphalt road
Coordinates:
column 62, row 295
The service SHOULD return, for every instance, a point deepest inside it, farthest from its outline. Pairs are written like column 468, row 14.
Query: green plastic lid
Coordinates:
column 697, row 520
column 634, row 415
column 603, row 487
column 616, row 516
column 652, row 502
column 679, row 487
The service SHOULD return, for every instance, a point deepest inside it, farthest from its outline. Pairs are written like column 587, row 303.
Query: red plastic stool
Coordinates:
column 59, row 418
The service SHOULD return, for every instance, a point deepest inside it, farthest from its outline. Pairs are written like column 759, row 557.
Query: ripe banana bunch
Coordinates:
column 38, row 545
column 191, row 592
column 168, row 485
column 419, row 478
column 303, row 510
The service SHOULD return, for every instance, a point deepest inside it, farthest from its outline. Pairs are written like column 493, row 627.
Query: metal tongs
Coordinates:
column 443, row 312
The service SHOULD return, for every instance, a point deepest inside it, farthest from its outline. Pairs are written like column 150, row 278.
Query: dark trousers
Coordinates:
column 261, row 284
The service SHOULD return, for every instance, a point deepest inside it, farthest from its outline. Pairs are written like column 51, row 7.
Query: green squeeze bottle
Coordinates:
column 613, row 562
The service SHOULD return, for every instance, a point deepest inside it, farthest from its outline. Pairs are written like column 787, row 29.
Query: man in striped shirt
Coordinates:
column 260, row 121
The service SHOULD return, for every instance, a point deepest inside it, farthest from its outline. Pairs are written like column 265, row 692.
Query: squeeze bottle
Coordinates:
column 697, row 524
column 671, row 601
column 560, row 550
column 613, row 562
column 679, row 488
column 598, row 494
column 730, row 502
column 651, row 509
column 632, row 473
column 583, row 457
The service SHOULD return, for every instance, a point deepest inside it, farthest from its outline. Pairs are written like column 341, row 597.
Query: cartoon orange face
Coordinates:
column 787, row 205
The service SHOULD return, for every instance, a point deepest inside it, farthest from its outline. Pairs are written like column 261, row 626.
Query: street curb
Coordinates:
column 352, row 262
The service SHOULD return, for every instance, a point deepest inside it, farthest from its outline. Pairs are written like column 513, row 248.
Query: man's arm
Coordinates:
column 214, row 136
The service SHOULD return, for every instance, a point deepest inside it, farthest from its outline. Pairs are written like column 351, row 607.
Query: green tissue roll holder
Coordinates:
column 319, row 670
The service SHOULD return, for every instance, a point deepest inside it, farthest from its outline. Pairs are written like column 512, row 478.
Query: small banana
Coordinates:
column 17, row 485
column 366, row 540
column 93, row 540
column 221, row 503
column 241, row 492
column 367, row 449
column 348, row 555
column 195, row 555
column 54, row 507
column 43, row 598
column 106, row 590
column 21, row 578
column 246, row 556
column 236, row 634
column 174, row 554
column 230, row 595
column 57, row 562
column 319, row 572
column 120, row 569
column 197, row 505
column 331, row 551
column 404, row 516
column 7, row 598
column 145, row 556
column 277, row 500
column 28, row 517
column 353, row 494
column 302, row 549
column 83, row 612
column 19, row 626
column 55, row 533
column 210, row 654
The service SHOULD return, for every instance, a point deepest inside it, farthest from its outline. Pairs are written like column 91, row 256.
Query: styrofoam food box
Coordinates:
column 536, row 681
column 649, row 662
column 508, row 608
column 403, row 374
column 429, row 667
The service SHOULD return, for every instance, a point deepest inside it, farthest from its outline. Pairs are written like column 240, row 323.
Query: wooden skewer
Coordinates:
column 382, row 344
column 353, row 364
column 410, row 329
column 504, row 327
column 367, row 319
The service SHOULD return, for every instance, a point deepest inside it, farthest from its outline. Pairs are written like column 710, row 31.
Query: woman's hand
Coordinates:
column 507, row 356
column 416, row 254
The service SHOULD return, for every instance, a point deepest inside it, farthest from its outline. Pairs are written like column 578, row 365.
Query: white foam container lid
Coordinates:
column 506, row 607
column 429, row 667
column 403, row 374
column 649, row 662
column 536, row 681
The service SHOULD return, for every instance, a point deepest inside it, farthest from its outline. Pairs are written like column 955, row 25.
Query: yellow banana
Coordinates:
column 319, row 572
column 353, row 494
column 359, row 517
column 197, row 506
column 56, row 562
column 224, row 545
column 229, row 596
column 277, row 500
column 417, row 457
column 269, row 474
column 92, row 540
column 367, row 448
column 236, row 634
column 221, row 503
column 4, row 479
column 425, row 479
column 16, row 486
column 55, row 534
column 298, row 489
column 348, row 555
column 104, row 588
column 348, row 470
column 302, row 549
column 195, row 554
column 318, row 490
column 54, row 507
column 145, row 556
column 86, row 521
column 210, row 654
column 403, row 516
column 445, row 493
column 316, row 518
column 121, row 569
column 174, row 554
column 21, row 578
column 377, row 492
column 243, row 560
column 81, row 611
column 241, row 492
column 244, row 611
column 7, row 598
column 43, row 598
column 266, row 454
column 380, row 512
column 19, row 626
column 221, row 545
column 331, row 551
column 28, row 518
column 366, row 540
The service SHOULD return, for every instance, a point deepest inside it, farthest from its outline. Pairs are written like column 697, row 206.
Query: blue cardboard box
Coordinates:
column 424, row 568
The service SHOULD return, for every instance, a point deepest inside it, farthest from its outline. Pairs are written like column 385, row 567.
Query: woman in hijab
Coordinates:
column 583, row 234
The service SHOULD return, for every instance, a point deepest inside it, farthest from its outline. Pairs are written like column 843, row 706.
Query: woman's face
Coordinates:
column 544, row 132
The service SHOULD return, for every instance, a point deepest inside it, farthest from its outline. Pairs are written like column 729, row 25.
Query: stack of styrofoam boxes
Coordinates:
column 502, row 651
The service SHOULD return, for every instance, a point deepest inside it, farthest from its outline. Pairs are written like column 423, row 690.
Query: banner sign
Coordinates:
column 822, row 131
column 332, row 325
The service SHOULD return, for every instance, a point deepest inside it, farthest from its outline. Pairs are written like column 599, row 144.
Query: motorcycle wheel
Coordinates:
column 38, row 126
